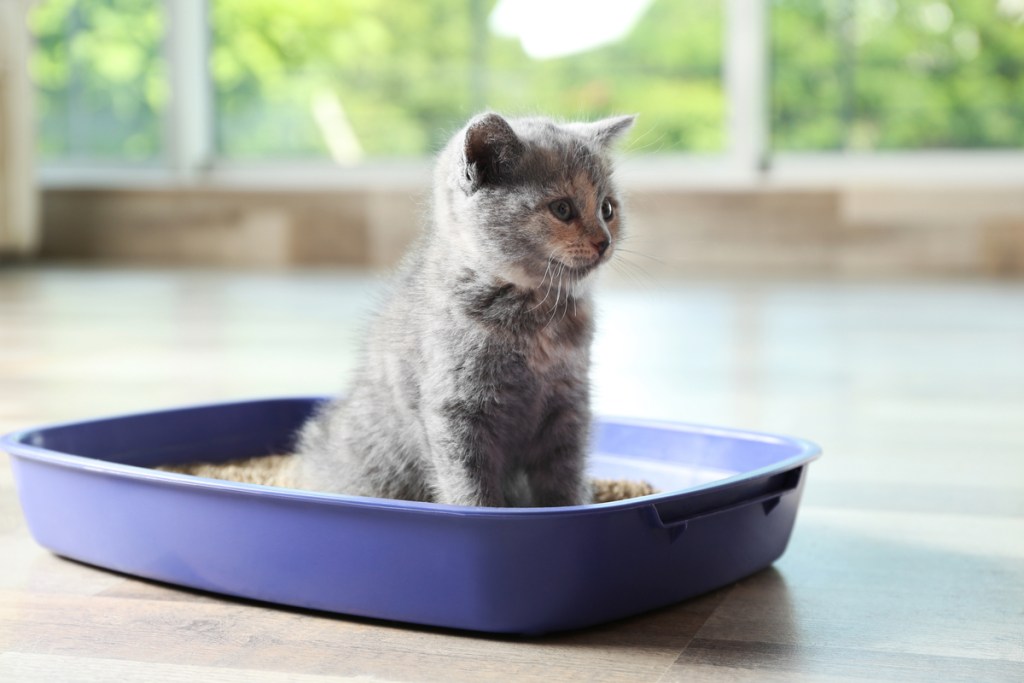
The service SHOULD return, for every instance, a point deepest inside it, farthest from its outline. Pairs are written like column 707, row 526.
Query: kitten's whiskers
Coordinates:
column 547, row 291
column 632, row 271
column 646, row 256
column 558, row 294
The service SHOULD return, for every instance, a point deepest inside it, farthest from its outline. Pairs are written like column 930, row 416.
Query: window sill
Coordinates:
column 787, row 171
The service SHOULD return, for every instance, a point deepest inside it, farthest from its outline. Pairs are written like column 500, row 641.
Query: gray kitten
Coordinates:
column 473, row 388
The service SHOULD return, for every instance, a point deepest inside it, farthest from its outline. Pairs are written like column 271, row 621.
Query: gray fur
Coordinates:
column 473, row 388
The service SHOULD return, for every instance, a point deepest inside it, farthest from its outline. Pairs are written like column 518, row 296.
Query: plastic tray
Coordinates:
column 731, row 501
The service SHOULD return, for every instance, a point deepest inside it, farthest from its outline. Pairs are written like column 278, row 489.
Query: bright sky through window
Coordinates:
column 558, row 28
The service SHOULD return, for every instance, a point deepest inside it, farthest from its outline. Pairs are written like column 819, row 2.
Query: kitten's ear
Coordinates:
column 491, row 150
column 608, row 131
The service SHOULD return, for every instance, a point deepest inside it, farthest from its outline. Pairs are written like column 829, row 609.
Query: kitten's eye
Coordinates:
column 562, row 209
column 607, row 210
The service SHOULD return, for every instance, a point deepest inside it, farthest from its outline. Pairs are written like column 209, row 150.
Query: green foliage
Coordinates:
column 101, row 83
column 405, row 76
column 881, row 74
column 388, row 66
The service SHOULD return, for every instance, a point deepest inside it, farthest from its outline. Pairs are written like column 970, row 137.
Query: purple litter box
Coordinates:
column 728, row 509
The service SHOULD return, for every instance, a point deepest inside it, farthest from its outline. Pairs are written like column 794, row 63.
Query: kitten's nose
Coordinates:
column 601, row 244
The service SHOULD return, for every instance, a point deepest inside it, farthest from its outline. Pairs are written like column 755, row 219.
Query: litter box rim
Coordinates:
column 17, row 445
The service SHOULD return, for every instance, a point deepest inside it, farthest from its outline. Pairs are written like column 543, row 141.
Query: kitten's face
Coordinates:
column 533, row 200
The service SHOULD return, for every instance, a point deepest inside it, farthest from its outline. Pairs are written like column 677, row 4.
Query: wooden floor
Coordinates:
column 907, row 561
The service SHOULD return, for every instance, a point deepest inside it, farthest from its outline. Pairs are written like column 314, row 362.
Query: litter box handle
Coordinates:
column 673, row 516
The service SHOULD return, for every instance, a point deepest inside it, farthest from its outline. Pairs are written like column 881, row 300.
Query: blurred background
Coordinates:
column 840, row 136
column 825, row 198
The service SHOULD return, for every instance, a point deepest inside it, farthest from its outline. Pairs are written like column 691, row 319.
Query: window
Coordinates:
column 194, row 85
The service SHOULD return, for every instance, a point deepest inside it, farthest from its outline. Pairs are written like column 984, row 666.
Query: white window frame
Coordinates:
column 191, row 160
column 189, row 136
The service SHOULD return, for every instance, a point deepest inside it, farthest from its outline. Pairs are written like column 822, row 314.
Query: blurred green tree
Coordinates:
column 100, row 79
column 888, row 75
column 404, row 75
